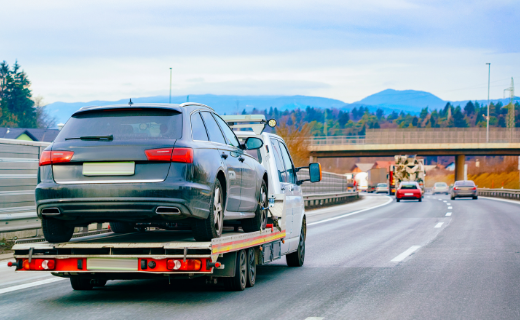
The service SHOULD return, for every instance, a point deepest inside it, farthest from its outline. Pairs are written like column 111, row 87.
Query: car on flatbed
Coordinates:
column 231, row 259
column 143, row 165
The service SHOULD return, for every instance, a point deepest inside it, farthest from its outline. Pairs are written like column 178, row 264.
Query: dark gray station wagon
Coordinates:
column 149, row 164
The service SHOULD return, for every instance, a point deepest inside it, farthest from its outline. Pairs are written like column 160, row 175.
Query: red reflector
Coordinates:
column 159, row 154
column 53, row 157
column 180, row 265
column 184, row 155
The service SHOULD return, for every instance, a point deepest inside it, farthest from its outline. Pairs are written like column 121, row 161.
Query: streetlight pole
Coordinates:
column 171, row 87
column 487, row 126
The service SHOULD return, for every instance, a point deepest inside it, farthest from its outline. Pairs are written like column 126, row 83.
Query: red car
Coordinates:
column 408, row 190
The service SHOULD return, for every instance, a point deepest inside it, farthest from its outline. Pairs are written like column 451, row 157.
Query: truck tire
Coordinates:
column 98, row 282
column 297, row 258
column 122, row 227
column 211, row 227
column 56, row 230
column 239, row 281
column 260, row 220
column 251, row 267
column 78, row 283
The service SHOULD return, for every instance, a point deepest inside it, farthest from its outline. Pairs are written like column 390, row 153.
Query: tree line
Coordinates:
column 18, row 108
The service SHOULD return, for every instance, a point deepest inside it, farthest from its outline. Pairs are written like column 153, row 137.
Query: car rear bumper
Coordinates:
column 465, row 193
column 130, row 202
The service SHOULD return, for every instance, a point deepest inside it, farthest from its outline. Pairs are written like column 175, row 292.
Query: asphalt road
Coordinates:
column 403, row 260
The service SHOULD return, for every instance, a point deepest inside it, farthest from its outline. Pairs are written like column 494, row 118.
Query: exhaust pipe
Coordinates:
column 167, row 210
column 51, row 212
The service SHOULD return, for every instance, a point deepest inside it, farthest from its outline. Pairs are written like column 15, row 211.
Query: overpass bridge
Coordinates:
column 458, row 142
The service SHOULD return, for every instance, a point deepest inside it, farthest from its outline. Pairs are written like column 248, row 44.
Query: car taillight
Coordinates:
column 184, row 155
column 455, row 188
column 53, row 157
column 180, row 265
column 39, row 264
column 474, row 188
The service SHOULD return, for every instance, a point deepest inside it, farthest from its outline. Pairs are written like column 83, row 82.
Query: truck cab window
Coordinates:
column 290, row 172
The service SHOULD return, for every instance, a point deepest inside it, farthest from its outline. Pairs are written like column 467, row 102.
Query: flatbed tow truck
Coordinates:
column 231, row 259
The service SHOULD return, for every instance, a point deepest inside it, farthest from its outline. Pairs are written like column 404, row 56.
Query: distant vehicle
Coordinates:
column 409, row 190
column 382, row 188
column 361, row 181
column 374, row 177
column 464, row 188
column 409, row 168
column 150, row 165
column 440, row 187
column 391, row 181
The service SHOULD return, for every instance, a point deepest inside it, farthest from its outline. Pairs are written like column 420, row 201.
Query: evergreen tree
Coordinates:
column 16, row 106
column 458, row 118
column 469, row 109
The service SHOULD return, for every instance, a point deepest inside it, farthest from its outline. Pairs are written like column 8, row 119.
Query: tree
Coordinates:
column 43, row 119
column 343, row 118
column 16, row 106
column 379, row 113
column 458, row 119
column 469, row 109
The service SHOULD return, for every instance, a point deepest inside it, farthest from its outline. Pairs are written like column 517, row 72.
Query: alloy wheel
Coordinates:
column 218, row 212
column 243, row 268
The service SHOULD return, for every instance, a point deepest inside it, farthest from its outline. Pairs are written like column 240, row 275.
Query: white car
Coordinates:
column 440, row 187
column 382, row 188
column 275, row 157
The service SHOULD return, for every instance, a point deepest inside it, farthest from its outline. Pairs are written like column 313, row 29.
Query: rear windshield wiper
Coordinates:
column 110, row 137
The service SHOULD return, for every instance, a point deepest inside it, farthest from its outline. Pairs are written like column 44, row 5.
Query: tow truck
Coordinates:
column 230, row 259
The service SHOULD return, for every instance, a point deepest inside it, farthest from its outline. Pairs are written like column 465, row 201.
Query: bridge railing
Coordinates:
column 422, row 136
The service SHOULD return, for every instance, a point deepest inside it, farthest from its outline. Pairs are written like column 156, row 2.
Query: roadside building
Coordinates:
column 29, row 134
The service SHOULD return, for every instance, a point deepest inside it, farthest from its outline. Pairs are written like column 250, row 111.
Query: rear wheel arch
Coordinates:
column 222, row 178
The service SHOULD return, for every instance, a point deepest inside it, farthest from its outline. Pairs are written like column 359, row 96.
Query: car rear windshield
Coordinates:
column 409, row 186
column 441, row 184
column 381, row 184
column 465, row 184
column 139, row 124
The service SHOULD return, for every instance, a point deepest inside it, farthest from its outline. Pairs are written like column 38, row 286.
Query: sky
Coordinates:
column 109, row 50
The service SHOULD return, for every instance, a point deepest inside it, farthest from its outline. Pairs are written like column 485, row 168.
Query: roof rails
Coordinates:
column 255, row 122
column 185, row 104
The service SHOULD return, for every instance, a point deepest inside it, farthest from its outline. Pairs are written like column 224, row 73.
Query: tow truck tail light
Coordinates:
column 183, row 155
column 39, row 264
column 53, row 157
column 180, row 265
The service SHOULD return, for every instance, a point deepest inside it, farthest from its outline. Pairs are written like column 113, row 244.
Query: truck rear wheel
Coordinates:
column 296, row 259
column 251, row 267
column 122, row 227
column 239, row 281
column 78, row 283
column 56, row 230
column 211, row 227
column 260, row 220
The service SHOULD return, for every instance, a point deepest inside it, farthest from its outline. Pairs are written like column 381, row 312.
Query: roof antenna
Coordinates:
column 130, row 103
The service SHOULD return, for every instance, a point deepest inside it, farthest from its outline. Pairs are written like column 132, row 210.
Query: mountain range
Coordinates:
column 411, row 101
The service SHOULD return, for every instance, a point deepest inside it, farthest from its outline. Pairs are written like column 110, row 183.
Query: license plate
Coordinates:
column 109, row 168
column 408, row 194
column 123, row 264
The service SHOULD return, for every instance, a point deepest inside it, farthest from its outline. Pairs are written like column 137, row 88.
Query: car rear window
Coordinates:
column 441, row 184
column 381, row 184
column 409, row 186
column 139, row 124
column 465, row 184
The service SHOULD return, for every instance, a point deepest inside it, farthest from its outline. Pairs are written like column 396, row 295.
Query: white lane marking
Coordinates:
column 450, row 207
column 30, row 285
column 351, row 213
column 448, row 214
column 445, row 201
column 503, row 200
column 448, row 204
column 314, row 318
column 405, row 254
column 438, row 225
column 440, row 199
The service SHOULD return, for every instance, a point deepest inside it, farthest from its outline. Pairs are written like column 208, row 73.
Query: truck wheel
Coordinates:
column 238, row 282
column 260, row 220
column 122, row 227
column 56, row 230
column 98, row 282
column 211, row 227
column 78, row 283
column 251, row 267
column 297, row 258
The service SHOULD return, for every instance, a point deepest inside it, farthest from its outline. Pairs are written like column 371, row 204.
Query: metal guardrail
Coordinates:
column 500, row 193
column 315, row 200
column 422, row 136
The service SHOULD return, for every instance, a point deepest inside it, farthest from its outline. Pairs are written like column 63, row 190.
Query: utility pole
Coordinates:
column 487, row 125
column 170, row 85
column 511, row 109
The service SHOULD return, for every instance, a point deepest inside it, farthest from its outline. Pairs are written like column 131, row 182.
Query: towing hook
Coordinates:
column 216, row 265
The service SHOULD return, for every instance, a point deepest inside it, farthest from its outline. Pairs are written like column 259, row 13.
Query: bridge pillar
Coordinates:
column 459, row 166
column 311, row 159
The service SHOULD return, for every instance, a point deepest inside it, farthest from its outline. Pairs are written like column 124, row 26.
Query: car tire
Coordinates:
column 260, row 220
column 212, row 226
column 122, row 227
column 420, row 199
column 56, row 230
column 239, row 281
column 397, row 200
column 79, row 283
column 251, row 267
column 475, row 198
column 452, row 198
column 297, row 258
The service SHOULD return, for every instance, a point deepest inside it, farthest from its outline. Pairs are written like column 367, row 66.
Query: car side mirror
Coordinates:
column 315, row 172
column 253, row 143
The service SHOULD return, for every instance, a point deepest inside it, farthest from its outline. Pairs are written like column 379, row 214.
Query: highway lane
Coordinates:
column 403, row 260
